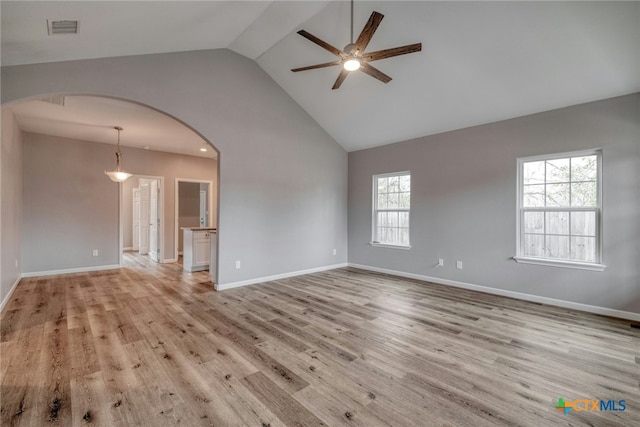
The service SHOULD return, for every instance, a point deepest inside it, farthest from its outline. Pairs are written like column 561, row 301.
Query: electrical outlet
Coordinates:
column 237, row 265
column 440, row 262
column 335, row 252
column 95, row 252
column 459, row 265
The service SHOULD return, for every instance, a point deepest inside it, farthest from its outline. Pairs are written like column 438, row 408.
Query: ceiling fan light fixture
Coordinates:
column 354, row 56
column 351, row 64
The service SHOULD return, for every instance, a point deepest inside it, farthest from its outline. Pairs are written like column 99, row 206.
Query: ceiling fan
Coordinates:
column 353, row 57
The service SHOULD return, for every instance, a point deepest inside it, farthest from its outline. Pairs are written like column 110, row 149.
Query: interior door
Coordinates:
column 136, row 219
column 144, row 218
column 154, row 221
column 203, row 209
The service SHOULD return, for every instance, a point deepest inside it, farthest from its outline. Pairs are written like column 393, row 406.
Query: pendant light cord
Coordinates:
column 118, row 128
column 118, row 152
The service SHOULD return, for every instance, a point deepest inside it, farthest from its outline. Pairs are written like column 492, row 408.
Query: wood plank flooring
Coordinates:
column 149, row 345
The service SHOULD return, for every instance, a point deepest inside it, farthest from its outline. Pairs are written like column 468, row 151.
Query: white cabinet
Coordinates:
column 196, row 249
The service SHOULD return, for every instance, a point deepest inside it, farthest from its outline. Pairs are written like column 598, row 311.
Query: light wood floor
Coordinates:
column 149, row 345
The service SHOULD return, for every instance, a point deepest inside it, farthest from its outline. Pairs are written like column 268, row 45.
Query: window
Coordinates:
column 559, row 210
column 391, row 203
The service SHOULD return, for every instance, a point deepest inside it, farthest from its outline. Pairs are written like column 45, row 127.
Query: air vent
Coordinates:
column 62, row 26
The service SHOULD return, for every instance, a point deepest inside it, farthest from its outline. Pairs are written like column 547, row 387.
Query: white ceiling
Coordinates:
column 91, row 118
column 481, row 61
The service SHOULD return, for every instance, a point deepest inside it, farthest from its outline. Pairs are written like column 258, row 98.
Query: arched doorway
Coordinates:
column 151, row 142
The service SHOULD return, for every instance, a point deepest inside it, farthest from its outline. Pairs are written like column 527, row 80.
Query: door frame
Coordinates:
column 177, row 205
column 135, row 247
column 161, row 258
column 154, row 184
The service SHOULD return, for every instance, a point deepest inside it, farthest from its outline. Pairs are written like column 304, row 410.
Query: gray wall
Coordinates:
column 74, row 212
column 69, row 206
column 283, row 191
column 463, row 204
column 10, row 204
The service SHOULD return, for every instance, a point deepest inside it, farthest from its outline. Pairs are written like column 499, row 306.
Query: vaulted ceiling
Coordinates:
column 481, row 61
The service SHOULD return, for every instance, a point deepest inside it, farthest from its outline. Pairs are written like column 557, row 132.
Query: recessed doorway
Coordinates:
column 142, row 216
column 194, row 207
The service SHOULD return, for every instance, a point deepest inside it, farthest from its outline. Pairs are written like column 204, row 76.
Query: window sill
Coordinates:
column 385, row 245
column 562, row 264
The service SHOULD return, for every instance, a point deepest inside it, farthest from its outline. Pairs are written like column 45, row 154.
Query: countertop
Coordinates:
column 200, row 229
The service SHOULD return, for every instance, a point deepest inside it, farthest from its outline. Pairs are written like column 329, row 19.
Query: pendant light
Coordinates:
column 118, row 175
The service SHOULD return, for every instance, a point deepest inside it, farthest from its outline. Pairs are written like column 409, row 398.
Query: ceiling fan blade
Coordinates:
column 367, row 32
column 322, row 44
column 388, row 53
column 343, row 75
column 375, row 73
column 313, row 67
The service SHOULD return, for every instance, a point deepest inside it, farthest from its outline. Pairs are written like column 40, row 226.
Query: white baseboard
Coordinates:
column 8, row 297
column 130, row 248
column 169, row 260
column 517, row 295
column 71, row 270
column 222, row 287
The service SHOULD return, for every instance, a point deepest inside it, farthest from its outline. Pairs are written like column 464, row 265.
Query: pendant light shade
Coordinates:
column 118, row 175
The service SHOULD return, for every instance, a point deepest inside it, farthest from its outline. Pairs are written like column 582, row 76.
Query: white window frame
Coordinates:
column 520, row 258
column 374, row 216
